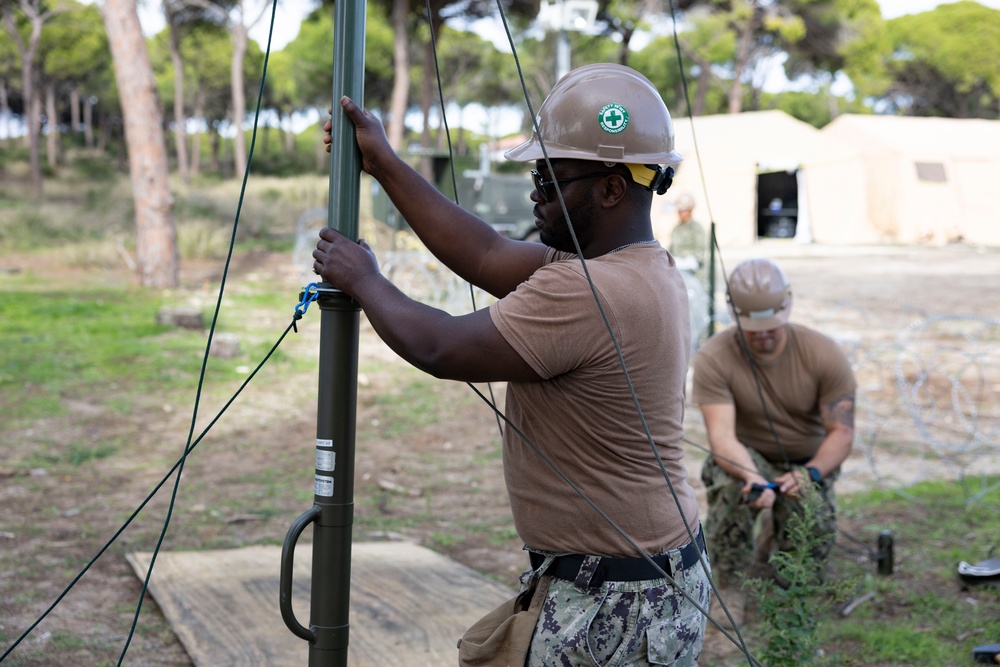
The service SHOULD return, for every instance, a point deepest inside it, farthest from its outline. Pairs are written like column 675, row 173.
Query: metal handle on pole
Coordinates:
column 285, row 582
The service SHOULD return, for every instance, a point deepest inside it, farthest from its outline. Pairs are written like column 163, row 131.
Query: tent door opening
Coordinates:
column 777, row 204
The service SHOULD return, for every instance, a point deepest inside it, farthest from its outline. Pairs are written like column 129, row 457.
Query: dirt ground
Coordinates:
column 436, row 480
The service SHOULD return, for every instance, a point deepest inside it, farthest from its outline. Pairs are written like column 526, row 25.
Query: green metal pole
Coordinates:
column 338, row 365
column 332, row 514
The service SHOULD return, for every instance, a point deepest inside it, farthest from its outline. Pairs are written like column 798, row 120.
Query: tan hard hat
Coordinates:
column 605, row 112
column 759, row 294
column 685, row 202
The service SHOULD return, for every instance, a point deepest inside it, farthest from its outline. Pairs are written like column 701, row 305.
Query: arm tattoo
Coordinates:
column 842, row 411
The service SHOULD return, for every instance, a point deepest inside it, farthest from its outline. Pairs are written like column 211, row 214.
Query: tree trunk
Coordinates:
column 88, row 124
column 74, row 110
column 322, row 159
column 426, row 102
column 704, row 81
column 33, row 103
column 29, row 82
column 740, row 63
column 623, row 52
column 104, row 136
column 214, row 153
column 401, row 75
column 240, row 40
column 180, row 135
column 199, row 114
column 156, row 236
column 4, row 113
column 52, row 125
column 288, row 138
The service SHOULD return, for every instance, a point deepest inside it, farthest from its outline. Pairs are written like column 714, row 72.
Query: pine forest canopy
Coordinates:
column 55, row 62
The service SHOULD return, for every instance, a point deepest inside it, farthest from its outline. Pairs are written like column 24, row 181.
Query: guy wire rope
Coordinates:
column 451, row 165
column 621, row 362
column 868, row 551
column 718, row 249
column 156, row 488
column 191, row 442
column 211, row 332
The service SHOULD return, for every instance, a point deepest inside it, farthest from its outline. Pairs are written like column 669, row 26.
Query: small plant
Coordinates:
column 789, row 611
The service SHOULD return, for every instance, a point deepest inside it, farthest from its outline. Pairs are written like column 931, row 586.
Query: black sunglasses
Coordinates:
column 544, row 187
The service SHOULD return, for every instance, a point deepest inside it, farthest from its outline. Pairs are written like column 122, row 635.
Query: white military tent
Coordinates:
column 928, row 179
column 751, row 159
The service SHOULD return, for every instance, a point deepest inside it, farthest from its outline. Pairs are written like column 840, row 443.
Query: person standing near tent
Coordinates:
column 688, row 246
column 778, row 404
column 608, row 136
column 688, row 243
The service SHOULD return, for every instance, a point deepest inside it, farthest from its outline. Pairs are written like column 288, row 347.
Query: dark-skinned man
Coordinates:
column 609, row 138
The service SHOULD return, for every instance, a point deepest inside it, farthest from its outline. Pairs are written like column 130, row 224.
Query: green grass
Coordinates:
column 100, row 344
column 73, row 342
column 413, row 404
column 97, row 341
column 920, row 614
column 414, row 401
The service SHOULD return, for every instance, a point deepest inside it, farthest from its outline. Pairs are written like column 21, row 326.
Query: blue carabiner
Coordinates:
column 309, row 294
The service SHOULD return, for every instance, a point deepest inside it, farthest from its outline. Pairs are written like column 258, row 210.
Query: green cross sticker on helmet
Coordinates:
column 613, row 118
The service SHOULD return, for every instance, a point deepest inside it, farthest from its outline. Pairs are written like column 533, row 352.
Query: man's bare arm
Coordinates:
column 838, row 420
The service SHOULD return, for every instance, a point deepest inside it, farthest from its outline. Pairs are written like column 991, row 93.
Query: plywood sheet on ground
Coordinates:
column 409, row 605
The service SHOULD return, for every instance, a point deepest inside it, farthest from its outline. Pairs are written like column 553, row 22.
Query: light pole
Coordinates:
column 562, row 16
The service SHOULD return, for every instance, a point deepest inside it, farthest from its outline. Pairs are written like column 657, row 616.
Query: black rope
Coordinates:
column 149, row 497
column 192, row 442
column 621, row 359
column 871, row 553
column 451, row 163
column 725, row 278
column 211, row 333
column 611, row 522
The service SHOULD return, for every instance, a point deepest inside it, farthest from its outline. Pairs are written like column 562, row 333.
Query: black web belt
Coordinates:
column 620, row 569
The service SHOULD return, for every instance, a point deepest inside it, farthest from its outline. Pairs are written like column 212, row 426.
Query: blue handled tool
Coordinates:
column 758, row 489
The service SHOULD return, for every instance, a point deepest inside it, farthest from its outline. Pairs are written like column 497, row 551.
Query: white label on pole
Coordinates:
column 324, row 486
column 326, row 460
column 324, row 443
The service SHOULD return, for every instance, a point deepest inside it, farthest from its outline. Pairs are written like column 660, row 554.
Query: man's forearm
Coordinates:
column 734, row 457
column 833, row 451
column 411, row 329
column 464, row 347
column 838, row 420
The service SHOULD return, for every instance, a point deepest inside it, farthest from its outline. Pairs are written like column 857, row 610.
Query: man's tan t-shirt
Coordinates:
column 582, row 415
column 812, row 371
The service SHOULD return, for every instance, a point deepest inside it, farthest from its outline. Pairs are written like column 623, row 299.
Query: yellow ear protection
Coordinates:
column 652, row 176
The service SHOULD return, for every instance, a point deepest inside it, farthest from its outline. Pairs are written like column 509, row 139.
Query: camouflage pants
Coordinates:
column 621, row 623
column 729, row 527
